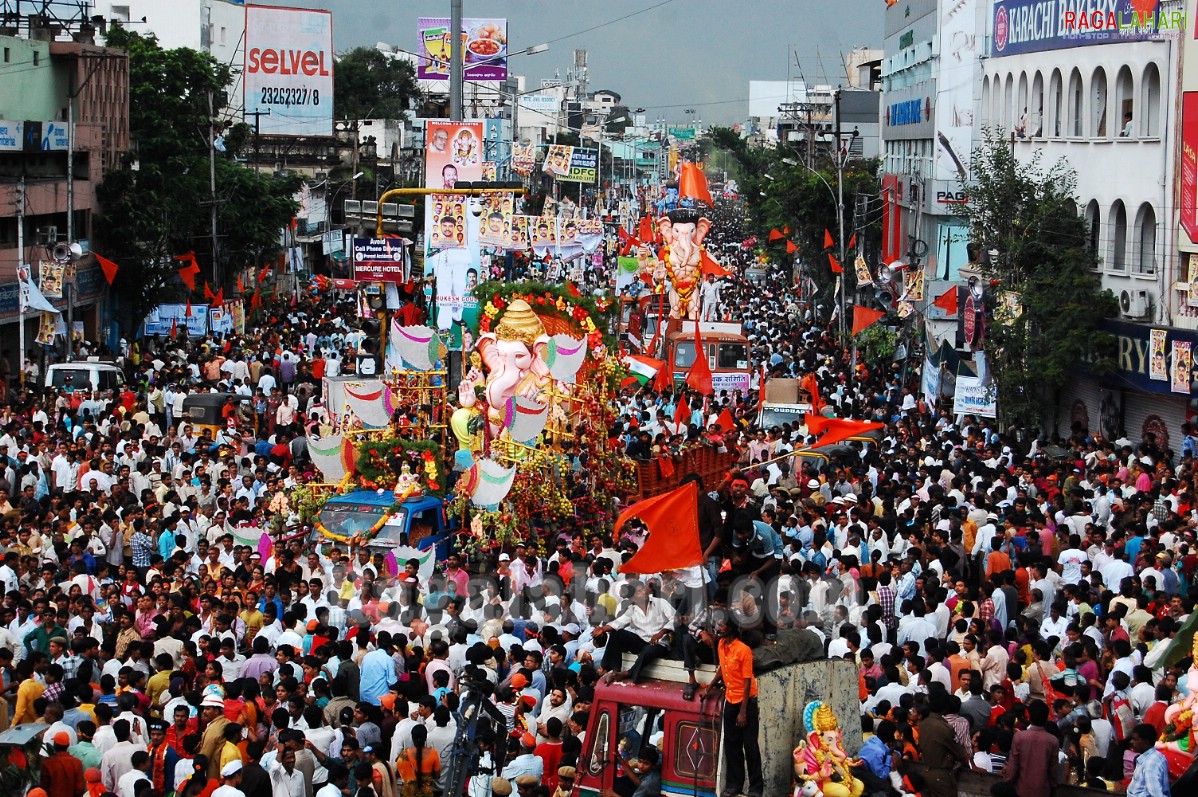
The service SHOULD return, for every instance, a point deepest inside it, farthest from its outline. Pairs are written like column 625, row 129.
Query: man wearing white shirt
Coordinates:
column 637, row 630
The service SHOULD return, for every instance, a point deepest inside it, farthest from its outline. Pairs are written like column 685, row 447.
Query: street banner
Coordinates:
column 47, row 329
column 974, row 398
column 519, row 233
column 490, row 169
column 52, row 274
column 495, row 229
column 584, row 166
column 542, row 233
column 379, row 260
column 862, row 269
column 484, row 48
column 449, row 221
column 524, row 159
column 453, row 151
column 165, row 316
column 288, row 70
column 1192, row 292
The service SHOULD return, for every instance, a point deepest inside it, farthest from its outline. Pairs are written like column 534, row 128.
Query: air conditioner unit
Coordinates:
column 47, row 236
column 1134, row 304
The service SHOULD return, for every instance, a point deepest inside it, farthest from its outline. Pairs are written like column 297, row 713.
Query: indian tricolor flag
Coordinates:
column 641, row 369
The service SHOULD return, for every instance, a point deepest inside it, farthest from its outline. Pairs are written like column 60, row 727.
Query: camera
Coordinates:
column 476, row 207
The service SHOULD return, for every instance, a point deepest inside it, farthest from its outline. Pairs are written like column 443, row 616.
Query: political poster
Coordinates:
column 1157, row 369
column 542, row 233
column 288, row 70
column 484, row 48
column 557, row 160
column 164, row 317
column 1183, row 364
column 524, row 159
column 495, row 228
column 453, row 151
column 519, row 239
column 449, row 221
column 47, row 329
column 52, row 274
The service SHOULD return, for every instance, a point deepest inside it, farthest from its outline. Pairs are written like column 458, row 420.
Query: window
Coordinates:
column 1093, row 226
column 733, row 355
column 986, row 101
column 1146, row 240
column 1074, row 126
column 37, row 58
column 1125, row 103
column 1008, row 101
column 1098, row 104
column 684, row 354
column 7, row 55
column 1118, row 254
column 600, row 741
column 1022, row 111
column 1150, row 103
column 1036, row 107
column 1055, row 103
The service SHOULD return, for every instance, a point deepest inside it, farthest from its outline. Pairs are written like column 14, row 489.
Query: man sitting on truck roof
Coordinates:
column 638, row 629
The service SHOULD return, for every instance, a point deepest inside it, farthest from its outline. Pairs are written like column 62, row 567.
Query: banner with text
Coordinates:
column 379, row 260
column 484, row 48
column 1028, row 26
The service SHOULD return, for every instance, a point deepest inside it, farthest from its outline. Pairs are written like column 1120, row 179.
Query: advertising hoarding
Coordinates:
column 1189, row 164
column 974, row 398
column 1029, row 26
column 584, row 166
column 484, row 48
column 379, row 260
column 954, row 91
column 288, row 70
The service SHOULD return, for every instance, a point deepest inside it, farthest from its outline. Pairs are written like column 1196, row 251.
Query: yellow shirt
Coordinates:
column 158, row 683
column 29, row 691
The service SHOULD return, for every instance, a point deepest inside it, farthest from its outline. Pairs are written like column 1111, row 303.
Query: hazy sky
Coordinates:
column 698, row 54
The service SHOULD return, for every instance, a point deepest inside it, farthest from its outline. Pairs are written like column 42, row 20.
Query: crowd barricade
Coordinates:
column 662, row 474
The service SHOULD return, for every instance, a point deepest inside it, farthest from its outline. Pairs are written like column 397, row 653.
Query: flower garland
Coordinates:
column 540, row 303
column 377, row 472
column 588, row 312
column 368, row 534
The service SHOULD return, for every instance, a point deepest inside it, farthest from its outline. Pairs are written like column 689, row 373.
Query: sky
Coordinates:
column 678, row 54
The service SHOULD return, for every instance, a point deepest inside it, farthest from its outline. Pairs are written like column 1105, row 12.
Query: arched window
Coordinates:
column 1093, row 227
column 1125, row 103
column 1076, row 105
column 1008, row 102
column 1098, row 104
column 986, row 100
column 1145, row 240
column 1036, row 107
column 1056, row 104
column 1023, row 113
column 1150, row 103
column 1117, row 257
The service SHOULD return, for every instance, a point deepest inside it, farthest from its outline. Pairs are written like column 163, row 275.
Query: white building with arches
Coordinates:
column 1104, row 98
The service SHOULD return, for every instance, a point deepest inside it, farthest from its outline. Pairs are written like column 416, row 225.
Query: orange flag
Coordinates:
column 699, row 376
column 786, row 230
column 218, row 300
column 240, row 285
column 187, row 312
column 673, row 522
column 852, row 240
column 835, row 264
column 725, row 421
column 834, row 430
column 682, row 411
column 864, row 317
column 188, row 273
column 263, row 274
column 791, row 247
column 573, row 290
column 709, row 266
column 692, row 183
column 646, row 232
column 109, row 267
column 828, row 241
column 174, row 327
column 208, row 294
column 947, row 302
column 776, row 235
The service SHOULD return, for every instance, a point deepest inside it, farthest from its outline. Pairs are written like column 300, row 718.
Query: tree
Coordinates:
column 1046, row 300
column 369, row 84
column 158, row 204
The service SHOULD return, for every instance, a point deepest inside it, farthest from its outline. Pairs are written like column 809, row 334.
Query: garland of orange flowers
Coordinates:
column 547, row 302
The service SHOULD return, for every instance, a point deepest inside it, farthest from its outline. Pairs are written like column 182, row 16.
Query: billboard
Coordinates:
column 288, row 70
column 584, row 166
column 1189, row 164
column 954, row 91
column 165, row 317
column 484, row 48
column 1029, row 26
column 379, row 260
column 453, row 151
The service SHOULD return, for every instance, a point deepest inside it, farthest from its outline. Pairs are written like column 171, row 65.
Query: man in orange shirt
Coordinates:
column 740, row 711
column 997, row 561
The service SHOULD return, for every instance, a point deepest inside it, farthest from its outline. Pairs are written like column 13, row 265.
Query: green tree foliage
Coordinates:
column 1026, row 215
column 158, row 204
column 804, row 200
column 368, row 84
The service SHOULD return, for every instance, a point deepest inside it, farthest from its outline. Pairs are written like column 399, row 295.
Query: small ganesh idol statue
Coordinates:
column 821, row 759
column 408, row 484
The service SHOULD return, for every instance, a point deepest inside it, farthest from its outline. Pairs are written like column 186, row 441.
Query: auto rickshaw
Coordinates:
column 207, row 411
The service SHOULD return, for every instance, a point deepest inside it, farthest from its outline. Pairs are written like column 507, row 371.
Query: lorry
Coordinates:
column 418, row 522
column 625, row 718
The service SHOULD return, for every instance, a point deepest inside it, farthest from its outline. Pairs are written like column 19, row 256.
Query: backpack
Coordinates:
column 1118, row 711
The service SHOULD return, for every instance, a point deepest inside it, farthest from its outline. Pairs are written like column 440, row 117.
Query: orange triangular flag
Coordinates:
column 709, row 266
column 673, row 522
column 174, row 327
column 776, row 235
column 699, row 376
column 791, row 247
column 187, row 312
column 863, row 317
column 725, row 421
column 692, row 183
column 219, row 299
column 256, row 300
column 240, row 285
column 786, row 230
column 109, row 267
column 834, row 430
column 852, row 240
column 947, row 302
column 682, row 411
column 263, row 274
column 188, row 273
column 828, row 241
column 208, row 294
column 572, row 289
column 835, row 264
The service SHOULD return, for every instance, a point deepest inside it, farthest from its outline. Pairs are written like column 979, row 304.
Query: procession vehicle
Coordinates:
column 90, row 374
column 206, row 411
column 418, row 522
column 725, row 347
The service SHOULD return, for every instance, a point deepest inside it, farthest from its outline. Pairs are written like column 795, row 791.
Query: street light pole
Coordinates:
column 840, row 213
column 456, row 76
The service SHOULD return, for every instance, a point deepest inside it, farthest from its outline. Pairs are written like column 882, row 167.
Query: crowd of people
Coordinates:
column 1007, row 611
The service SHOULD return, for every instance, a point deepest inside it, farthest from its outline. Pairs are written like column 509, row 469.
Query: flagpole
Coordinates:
column 20, row 281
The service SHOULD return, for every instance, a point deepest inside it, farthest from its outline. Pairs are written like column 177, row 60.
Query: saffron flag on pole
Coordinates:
column 692, row 183
column 109, row 267
column 672, row 520
column 791, row 247
column 776, row 235
column 947, row 302
column 852, row 240
column 834, row 264
column 864, row 317
column 833, row 430
column 188, row 272
column 725, row 421
column 699, row 376
column 828, row 242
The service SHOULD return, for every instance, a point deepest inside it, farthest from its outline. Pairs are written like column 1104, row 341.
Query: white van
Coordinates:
column 85, row 374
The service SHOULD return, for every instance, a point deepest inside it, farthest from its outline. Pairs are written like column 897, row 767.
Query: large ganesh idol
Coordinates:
column 679, row 269
column 519, row 385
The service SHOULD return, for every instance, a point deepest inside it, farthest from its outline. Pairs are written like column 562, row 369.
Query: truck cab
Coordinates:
column 626, row 717
column 418, row 522
column 725, row 347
